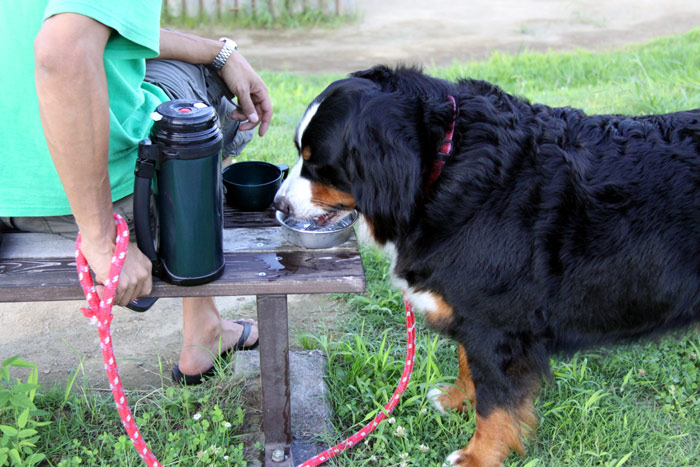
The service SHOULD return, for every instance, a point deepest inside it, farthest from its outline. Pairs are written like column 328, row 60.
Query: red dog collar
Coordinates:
column 445, row 149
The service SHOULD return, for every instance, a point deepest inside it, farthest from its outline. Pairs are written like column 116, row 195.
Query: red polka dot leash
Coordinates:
column 100, row 313
column 388, row 408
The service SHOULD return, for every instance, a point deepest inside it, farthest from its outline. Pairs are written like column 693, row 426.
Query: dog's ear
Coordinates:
column 384, row 161
column 380, row 74
column 405, row 79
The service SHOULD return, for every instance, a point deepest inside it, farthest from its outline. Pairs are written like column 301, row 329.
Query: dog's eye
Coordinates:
column 315, row 171
column 312, row 164
column 308, row 168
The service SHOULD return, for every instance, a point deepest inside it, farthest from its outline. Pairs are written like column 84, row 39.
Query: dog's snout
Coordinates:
column 282, row 204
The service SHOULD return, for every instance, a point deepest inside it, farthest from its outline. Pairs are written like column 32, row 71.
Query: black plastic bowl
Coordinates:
column 251, row 185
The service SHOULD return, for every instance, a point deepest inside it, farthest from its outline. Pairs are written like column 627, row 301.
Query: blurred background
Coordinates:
column 346, row 35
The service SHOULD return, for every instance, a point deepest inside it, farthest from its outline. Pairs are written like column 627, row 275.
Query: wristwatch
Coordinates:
column 225, row 52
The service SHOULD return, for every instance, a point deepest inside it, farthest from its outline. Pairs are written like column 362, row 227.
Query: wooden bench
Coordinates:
column 41, row 267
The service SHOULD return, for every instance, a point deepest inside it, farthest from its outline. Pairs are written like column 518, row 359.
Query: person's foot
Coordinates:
column 211, row 341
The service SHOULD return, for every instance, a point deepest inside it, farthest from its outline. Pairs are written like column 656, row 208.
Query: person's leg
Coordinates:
column 65, row 226
column 206, row 334
column 62, row 225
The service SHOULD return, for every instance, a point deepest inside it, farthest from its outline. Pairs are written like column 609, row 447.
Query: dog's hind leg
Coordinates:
column 452, row 397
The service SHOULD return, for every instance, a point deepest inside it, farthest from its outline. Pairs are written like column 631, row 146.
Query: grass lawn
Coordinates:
column 635, row 405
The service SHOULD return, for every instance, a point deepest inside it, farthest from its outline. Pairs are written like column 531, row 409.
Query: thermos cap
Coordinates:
column 184, row 115
column 185, row 123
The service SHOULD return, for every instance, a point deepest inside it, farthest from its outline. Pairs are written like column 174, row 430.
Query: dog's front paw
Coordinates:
column 449, row 397
column 462, row 459
column 435, row 397
column 457, row 458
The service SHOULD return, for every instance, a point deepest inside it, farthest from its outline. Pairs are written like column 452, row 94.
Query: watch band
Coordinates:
column 225, row 52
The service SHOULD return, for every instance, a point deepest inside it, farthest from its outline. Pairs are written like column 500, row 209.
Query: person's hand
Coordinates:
column 240, row 78
column 135, row 279
column 250, row 89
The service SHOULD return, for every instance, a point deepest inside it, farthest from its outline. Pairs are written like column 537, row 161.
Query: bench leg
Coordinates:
column 274, row 376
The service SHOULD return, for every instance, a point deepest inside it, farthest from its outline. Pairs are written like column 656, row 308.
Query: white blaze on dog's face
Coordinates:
column 297, row 193
column 304, row 198
column 296, row 190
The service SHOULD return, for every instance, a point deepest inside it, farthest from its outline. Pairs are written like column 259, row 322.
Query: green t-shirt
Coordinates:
column 29, row 184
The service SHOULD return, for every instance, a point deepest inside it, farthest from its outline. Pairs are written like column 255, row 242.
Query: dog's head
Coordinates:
column 363, row 144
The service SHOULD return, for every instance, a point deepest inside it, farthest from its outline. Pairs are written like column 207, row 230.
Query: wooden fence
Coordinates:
column 219, row 8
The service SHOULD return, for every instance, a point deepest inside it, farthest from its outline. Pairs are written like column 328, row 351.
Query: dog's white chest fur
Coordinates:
column 422, row 302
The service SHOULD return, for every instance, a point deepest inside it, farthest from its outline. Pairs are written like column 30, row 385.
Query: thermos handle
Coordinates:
column 145, row 168
column 285, row 170
column 141, row 304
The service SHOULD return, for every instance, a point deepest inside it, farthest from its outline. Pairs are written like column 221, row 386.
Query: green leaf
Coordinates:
column 35, row 458
column 39, row 413
column 22, row 420
column 17, row 363
column 33, row 377
column 14, row 455
column 21, row 401
column 24, row 388
column 9, row 361
column 71, row 382
column 623, row 460
column 8, row 430
column 26, row 433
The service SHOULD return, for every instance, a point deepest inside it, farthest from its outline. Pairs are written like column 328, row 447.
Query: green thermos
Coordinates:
column 184, row 155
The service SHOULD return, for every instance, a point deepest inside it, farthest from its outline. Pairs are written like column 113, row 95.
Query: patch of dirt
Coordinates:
column 56, row 336
column 406, row 31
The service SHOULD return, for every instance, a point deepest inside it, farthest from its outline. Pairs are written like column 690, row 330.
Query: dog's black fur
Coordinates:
column 547, row 231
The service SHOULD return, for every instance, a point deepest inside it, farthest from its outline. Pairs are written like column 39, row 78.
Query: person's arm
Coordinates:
column 238, row 75
column 74, row 107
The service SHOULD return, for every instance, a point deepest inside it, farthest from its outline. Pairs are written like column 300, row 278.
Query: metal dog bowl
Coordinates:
column 308, row 235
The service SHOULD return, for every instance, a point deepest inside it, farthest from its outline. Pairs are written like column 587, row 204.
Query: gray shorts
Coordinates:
column 178, row 80
column 65, row 225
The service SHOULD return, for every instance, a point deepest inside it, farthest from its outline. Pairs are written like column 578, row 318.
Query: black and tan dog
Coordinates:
column 547, row 230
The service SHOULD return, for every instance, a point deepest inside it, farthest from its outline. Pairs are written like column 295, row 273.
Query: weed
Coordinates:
column 190, row 426
column 19, row 417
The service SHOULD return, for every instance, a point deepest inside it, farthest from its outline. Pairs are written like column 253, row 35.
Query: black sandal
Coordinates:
column 240, row 345
column 193, row 380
